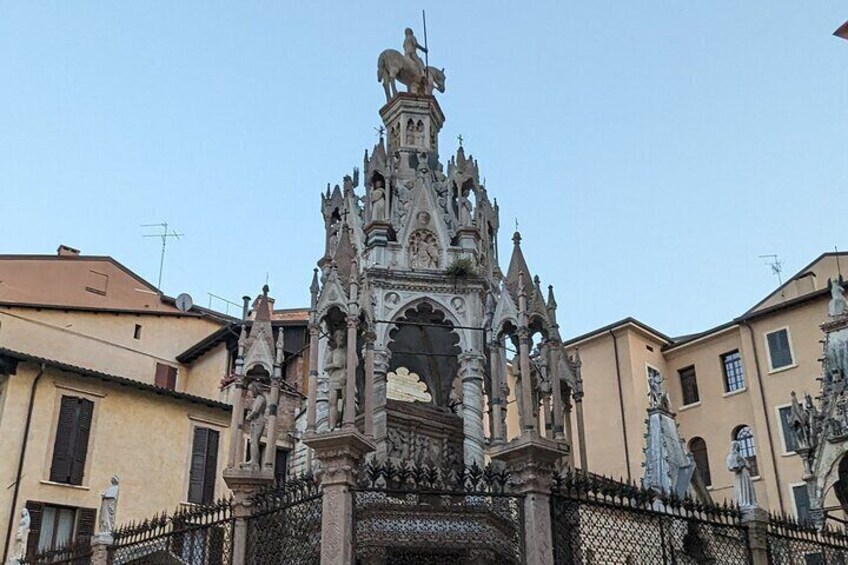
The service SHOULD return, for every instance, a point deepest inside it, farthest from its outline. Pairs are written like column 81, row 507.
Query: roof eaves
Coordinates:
column 124, row 381
column 616, row 325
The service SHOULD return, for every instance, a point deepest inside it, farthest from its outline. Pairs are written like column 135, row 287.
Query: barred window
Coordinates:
column 689, row 385
column 734, row 378
column 745, row 437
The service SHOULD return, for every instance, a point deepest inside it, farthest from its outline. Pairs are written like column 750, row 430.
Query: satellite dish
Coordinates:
column 184, row 302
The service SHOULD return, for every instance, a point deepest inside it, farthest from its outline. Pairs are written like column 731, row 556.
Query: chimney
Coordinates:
column 65, row 251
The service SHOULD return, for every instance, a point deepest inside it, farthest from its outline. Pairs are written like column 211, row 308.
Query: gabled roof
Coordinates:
column 628, row 321
column 18, row 356
column 808, row 269
column 230, row 332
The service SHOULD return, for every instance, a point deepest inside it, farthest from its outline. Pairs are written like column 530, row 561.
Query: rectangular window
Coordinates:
column 166, row 376
column 789, row 443
column 689, row 385
column 54, row 527
column 734, row 378
column 71, row 445
column 802, row 503
column 204, row 466
column 780, row 354
column 137, row 332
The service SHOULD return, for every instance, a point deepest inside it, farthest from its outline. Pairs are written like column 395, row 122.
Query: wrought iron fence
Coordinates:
column 75, row 553
column 598, row 520
column 422, row 514
column 285, row 526
column 196, row 535
column 791, row 542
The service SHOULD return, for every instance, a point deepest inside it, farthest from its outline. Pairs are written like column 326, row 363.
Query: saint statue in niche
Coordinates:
column 335, row 364
column 464, row 210
column 424, row 250
column 378, row 201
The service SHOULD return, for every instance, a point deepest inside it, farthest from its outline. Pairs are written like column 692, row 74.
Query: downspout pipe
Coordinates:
column 21, row 463
column 621, row 404
column 766, row 413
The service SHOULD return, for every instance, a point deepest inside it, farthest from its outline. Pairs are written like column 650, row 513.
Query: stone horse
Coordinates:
column 392, row 66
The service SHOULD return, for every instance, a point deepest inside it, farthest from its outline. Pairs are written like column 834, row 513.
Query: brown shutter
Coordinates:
column 35, row 511
column 86, row 521
column 166, row 376
column 211, row 470
column 85, row 411
column 60, row 469
column 198, row 463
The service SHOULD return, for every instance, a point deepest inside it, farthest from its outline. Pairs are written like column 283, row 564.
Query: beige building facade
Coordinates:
column 730, row 382
column 101, row 375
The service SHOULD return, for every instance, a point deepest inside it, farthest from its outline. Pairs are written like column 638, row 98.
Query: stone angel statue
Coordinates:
column 21, row 537
column 109, row 506
column 743, row 487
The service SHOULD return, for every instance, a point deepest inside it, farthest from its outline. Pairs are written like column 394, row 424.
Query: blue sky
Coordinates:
column 650, row 150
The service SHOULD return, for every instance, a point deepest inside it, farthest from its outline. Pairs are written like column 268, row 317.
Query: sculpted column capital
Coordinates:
column 382, row 358
column 471, row 365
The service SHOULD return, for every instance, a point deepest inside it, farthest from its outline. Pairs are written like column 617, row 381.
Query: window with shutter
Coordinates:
column 802, row 503
column 780, row 352
column 166, row 376
column 86, row 523
column 71, row 446
column 204, row 466
column 281, row 466
column 689, row 385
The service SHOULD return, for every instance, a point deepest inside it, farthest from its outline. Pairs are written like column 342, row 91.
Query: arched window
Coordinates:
column 745, row 437
column 698, row 447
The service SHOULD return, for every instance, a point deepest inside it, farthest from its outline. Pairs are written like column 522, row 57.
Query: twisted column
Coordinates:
column 471, row 373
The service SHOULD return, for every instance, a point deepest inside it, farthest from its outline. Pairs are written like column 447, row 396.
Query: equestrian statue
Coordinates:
column 407, row 67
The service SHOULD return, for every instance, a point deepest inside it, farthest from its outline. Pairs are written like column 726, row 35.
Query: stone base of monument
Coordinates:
column 340, row 453
column 531, row 461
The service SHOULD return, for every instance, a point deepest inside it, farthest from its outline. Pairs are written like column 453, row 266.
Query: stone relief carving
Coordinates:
column 424, row 251
column 410, row 445
column 458, row 304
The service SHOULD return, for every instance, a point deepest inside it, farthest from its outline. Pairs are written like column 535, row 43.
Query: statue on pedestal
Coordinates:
column 109, row 506
column 256, row 417
column 408, row 68
column 465, row 210
column 21, row 537
column 743, row 487
column 657, row 395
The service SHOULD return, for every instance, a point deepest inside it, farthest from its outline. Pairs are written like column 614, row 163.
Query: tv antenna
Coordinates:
column 776, row 266
column 164, row 236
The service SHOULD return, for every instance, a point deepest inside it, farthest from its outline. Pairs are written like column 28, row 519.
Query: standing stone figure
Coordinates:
column 743, row 487
column 658, row 397
column 256, row 417
column 335, row 365
column 378, row 202
column 21, row 537
column 464, row 211
column 109, row 506
column 799, row 419
column 838, row 304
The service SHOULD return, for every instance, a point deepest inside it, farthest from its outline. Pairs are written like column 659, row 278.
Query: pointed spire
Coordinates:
column 552, row 304
column 314, row 289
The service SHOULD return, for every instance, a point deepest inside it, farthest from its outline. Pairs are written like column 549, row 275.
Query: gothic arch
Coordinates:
column 428, row 344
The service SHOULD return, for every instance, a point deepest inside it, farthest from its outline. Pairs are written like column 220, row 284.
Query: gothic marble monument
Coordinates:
column 409, row 282
column 821, row 429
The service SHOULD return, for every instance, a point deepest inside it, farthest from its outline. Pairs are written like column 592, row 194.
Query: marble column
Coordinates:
column 555, row 375
column 312, row 393
column 496, row 368
column 581, row 429
column 349, row 416
column 471, row 374
column 236, row 439
column 382, row 357
column 368, row 393
column 528, row 414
